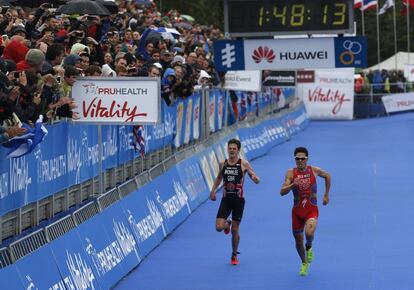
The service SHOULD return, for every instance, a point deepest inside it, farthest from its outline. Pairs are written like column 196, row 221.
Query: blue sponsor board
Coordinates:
column 296, row 121
column 171, row 198
column 36, row 277
column 229, row 55
column 144, row 218
column 193, row 181
column 74, row 262
column 110, row 245
column 11, row 277
column 351, row 51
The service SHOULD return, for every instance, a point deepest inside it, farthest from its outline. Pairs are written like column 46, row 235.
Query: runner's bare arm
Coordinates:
column 325, row 175
column 248, row 168
column 288, row 183
column 217, row 182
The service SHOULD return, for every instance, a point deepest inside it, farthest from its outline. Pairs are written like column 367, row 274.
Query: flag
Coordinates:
column 26, row 143
column 139, row 140
column 388, row 4
column 357, row 4
column 406, row 4
column 369, row 4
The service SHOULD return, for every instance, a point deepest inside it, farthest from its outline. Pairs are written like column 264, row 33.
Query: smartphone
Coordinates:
column 16, row 74
column 58, row 79
column 5, row 37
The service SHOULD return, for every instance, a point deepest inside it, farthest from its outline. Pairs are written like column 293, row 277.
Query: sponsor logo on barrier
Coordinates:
column 175, row 203
column 81, row 275
column 109, row 147
column 4, row 185
column 19, row 175
column 50, row 169
column 114, row 253
column 30, row 284
column 125, row 138
column 146, row 227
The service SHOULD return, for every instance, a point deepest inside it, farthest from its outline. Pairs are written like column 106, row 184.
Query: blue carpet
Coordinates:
column 364, row 236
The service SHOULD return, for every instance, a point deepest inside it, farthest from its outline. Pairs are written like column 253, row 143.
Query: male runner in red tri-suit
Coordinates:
column 232, row 171
column 302, row 181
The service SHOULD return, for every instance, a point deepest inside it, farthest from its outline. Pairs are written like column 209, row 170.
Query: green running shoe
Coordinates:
column 309, row 255
column 304, row 269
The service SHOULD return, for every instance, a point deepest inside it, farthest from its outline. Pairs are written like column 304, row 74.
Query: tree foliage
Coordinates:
column 206, row 12
column 386, row 32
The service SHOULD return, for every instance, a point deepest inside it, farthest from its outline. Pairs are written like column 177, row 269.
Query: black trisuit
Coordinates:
column 233, row 198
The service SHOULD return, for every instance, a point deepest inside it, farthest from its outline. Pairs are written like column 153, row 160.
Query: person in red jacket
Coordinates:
column 301, row 180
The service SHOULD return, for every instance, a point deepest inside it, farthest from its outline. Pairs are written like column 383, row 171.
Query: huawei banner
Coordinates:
column 330, row 96
column 249, row 81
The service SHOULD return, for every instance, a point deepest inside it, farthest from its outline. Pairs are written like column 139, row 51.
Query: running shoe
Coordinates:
column 227, row 230
column 304, row 269
column 309, row 255
column 234, row 261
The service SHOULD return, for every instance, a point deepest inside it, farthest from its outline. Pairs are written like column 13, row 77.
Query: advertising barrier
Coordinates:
column 193, row 181
column 103, row 249
column 12, row 276
column 331, row 96
column 73, row 262
column 110, row 245
column 170, row 198
column 398, row 102
column 145, row 219
column 71, row 156
column 32, row 270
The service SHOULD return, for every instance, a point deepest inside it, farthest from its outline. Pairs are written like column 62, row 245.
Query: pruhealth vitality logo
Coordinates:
column 230, row 55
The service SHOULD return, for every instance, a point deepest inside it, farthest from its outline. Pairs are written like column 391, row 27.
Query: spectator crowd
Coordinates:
column 42, row 53
column 381, row 82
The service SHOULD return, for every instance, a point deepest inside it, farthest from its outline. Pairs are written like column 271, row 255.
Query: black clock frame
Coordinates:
column 236, row 17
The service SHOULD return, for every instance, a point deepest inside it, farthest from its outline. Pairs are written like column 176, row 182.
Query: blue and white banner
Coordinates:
column 171, row 198
column 193, row 181
column 144, row 218
column 12, row 276
column 109, row 245
column 73, row 262
column 297, row 53
column 36, row 277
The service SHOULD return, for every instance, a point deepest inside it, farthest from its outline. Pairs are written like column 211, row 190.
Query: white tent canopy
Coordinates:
column 402, row 58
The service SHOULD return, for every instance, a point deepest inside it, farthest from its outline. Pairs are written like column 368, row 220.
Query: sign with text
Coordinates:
column 279, row 78
column 297, row 53
column 116, row 101
column 243, row 81
column 398, row 102
column 331, row 96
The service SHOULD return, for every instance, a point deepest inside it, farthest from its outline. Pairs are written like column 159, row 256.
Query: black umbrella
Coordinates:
column 83, row 7
column 5, row 3
column 36, row 3
column 110, row 5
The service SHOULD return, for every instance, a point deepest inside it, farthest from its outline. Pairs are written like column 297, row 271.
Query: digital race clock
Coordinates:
column 274, row 17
